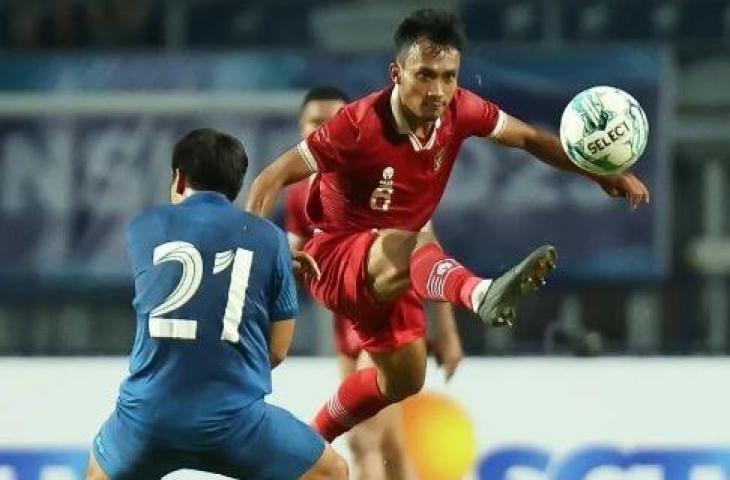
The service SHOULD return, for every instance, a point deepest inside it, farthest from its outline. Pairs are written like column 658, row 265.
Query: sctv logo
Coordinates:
column 607, row 463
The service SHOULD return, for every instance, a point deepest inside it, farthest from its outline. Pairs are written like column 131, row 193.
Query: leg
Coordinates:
column 272, row 444
column 378, row 449
column 330, row 466
column 399, row 260
column 364, row 440
column 398, row 374
column 401, row 373
column 381, row 327
column 365, row 437
column 390, row 259
column 384, row 434
column 397, row 463
column 119, row 453
column 391, row 326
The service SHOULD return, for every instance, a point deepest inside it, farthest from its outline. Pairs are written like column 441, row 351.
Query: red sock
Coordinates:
column 357, row 399
column 436, row 276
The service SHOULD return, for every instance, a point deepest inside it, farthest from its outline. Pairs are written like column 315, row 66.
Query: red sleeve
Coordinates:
column 295, row 218
column 478, row 117
column 327, row 148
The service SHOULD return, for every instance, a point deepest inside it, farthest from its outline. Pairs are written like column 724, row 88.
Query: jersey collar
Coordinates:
column 194, row 196
column 403, row 128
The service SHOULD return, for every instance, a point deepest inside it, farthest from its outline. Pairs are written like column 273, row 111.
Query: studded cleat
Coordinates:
column 497, row 306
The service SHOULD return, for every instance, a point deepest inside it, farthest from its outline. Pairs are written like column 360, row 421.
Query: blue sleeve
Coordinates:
column 135, row 245
column 143, row 233
column 285, row 305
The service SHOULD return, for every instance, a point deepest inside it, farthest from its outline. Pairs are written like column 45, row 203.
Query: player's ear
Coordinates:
column 394, row 71
column 180, row 182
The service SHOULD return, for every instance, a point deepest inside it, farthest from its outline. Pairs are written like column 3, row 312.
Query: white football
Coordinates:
column 604, row 130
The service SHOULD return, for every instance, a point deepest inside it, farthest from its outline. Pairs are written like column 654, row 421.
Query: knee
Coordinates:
column 401, row 373
column 411, row 386
column 405, row 386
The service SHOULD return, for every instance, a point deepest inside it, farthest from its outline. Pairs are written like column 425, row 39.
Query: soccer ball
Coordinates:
column 604, row 130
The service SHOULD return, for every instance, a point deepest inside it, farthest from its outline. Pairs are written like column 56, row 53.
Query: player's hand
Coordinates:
column 303, row 264
column 625, row 185
column 447, row 351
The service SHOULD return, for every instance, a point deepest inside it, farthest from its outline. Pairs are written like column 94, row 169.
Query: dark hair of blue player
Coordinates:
column 323, row 92
column 440, row 27
column 211, row 161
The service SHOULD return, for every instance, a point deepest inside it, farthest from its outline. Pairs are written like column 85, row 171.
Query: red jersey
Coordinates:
column 375, row 173
column 295, row 218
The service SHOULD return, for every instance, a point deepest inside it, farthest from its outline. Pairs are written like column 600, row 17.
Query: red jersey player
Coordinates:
column 382, row 164
column 376, row 444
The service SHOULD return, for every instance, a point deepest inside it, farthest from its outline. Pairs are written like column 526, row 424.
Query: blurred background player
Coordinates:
column 376, row 444
column 215, row 301
column 383, row 163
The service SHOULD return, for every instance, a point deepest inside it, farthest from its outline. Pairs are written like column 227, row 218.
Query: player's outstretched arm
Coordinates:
column 282, row 333
column 285, row 170
column 546, row 146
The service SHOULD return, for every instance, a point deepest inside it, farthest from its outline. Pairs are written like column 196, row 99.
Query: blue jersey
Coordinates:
column 209, row 280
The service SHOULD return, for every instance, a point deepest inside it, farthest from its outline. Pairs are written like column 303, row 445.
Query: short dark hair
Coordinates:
column 440, row 27
column 323, row 92
column 212, row 161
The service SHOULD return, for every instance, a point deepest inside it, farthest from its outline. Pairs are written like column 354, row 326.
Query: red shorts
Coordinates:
column 347, row 342
column 343, row 289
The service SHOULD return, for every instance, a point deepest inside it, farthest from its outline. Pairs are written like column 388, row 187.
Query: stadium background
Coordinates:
column 93, row 94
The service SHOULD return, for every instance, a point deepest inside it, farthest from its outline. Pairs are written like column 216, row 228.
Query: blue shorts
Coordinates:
column 278, row 447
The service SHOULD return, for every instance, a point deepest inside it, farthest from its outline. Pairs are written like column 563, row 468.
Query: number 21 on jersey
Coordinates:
column 192, row 273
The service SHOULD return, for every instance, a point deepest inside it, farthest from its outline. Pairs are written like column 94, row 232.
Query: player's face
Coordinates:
column 427, row 79
column 316, row 113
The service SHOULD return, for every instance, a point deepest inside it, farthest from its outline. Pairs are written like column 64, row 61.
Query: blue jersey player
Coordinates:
column 215, row 302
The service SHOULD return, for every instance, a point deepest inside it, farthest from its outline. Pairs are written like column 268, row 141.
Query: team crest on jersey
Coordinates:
column 381, row 196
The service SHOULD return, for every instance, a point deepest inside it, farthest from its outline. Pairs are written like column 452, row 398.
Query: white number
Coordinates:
column 192, row 274
column 236, row 295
